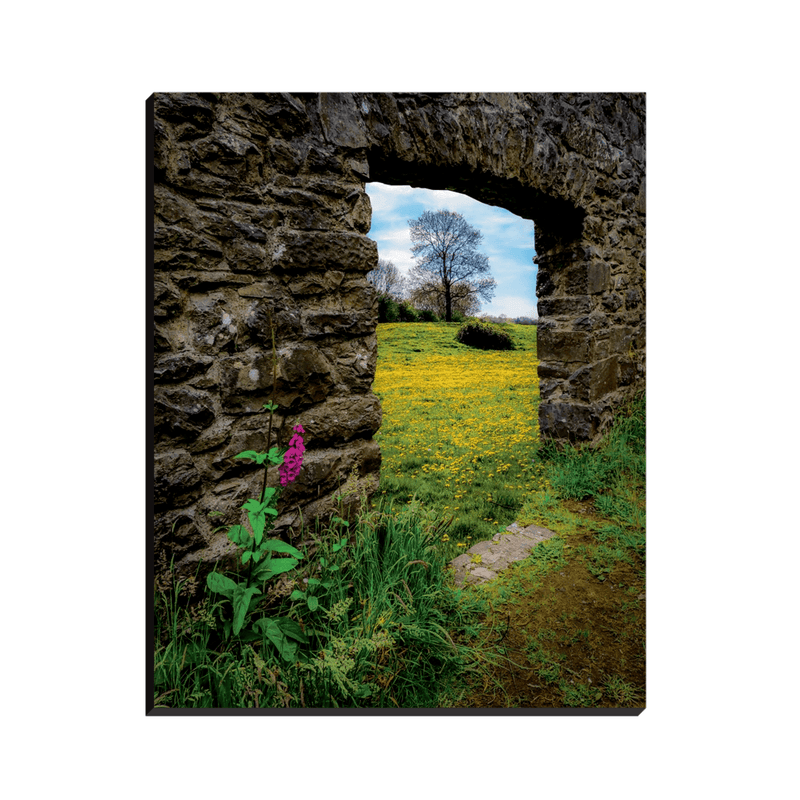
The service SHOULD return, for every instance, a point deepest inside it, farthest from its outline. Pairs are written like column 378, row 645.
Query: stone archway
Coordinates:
column 260, row 207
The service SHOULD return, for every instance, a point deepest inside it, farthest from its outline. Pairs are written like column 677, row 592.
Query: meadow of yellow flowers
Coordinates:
column 460, row 425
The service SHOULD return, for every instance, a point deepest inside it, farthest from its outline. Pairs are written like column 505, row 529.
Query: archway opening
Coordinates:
column 460, row 424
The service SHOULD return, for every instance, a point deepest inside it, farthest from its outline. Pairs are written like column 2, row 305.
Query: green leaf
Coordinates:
column 241, row 603
column 297, row 595
column 246, row 556
column 291, row 628
column 282, row 565
column 239, row 535
column 263, row 572
column 275, row 456
column 221, row 584
column 247, row 454
column 255, row 513
column 314, row 582
column 269, row 492
column 287, row 649
column 339, row 546
column 281, row 547
column 313, row 603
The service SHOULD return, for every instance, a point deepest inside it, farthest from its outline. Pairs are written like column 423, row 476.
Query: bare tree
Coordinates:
column 387, row 279
column 449, row 265
column 430, row 296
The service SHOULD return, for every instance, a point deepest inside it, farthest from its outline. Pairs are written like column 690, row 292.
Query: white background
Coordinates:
column 722, row 442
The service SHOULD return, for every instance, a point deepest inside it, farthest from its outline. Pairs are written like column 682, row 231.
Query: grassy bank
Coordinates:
column 573, row 615
column 380, row 628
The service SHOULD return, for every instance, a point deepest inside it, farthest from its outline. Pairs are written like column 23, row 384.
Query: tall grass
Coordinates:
column 610, row 478
column 383, row 633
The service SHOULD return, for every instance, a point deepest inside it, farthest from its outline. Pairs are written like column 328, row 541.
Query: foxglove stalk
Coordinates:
column 293, row 459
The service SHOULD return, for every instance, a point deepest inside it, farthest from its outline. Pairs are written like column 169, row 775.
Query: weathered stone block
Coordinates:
column 566, row 346
column 612, row 302
column 598, row 278
column 180, row 366
column 303, row 377
column 340, row 419
column 181, row 412
column 177, row 481
column 567, row 422
column 303, row 250
column 167, row 300
column 340, row 120
column 604, row 378
column 244, row 255
column 564, row 306
column 327, row 323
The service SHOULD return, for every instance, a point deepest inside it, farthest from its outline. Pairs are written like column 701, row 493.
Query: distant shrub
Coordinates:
column 484, row 336
column 457, row 316
column 426, row 315
column 388, row 310
column 407, row 313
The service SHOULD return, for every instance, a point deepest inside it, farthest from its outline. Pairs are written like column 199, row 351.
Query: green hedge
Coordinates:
column 484, row 336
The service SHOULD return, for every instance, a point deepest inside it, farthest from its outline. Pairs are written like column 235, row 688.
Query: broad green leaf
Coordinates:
column 282, row 565
column 297, row 595
column 291, row 628
column 287, row 649
column 337, row 547
column 313, row 603
column 247, row 454
column 221, row 584
column 261, row 458
column 239, row 535
column 263, row 572
column 281, row 547
column 241, row 603
column 314, row 582
column 258, row 522
column 246, row 556
column 275, row 456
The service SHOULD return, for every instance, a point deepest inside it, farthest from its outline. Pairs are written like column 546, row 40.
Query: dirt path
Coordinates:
column 573, row 638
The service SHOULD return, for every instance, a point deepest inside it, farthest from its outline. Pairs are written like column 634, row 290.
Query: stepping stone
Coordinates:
column 512, row 544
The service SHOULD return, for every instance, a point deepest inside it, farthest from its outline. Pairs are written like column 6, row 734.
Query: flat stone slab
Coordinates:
column 512, row 544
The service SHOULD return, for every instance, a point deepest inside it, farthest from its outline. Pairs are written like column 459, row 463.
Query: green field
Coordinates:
column 460, row 426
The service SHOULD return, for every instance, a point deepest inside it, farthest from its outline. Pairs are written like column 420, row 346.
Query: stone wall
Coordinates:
column 260, row 209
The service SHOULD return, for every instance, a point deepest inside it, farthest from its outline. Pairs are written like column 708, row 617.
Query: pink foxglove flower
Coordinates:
column 293, row 459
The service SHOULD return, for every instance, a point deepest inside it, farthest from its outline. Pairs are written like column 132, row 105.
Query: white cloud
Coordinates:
column 508, row 240
column 511, row 306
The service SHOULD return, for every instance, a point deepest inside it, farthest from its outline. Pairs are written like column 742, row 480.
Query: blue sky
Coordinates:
column 507, row 240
